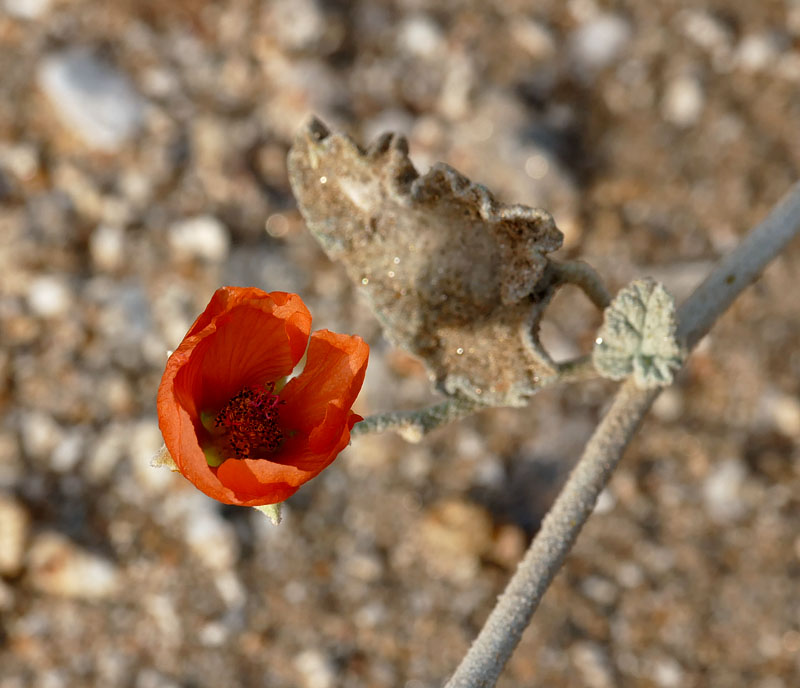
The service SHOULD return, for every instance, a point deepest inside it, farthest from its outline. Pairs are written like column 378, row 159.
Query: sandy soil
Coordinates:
column 142, row 164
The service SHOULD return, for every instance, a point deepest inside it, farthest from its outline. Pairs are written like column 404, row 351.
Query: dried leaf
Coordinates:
column 455, row 277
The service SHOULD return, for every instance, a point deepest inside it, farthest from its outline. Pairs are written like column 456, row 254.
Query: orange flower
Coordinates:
column 230, row 427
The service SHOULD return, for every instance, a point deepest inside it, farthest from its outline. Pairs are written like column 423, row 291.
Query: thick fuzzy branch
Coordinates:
column 489, row 653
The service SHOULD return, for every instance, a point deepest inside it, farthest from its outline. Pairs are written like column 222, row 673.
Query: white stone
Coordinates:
column 419, row 35
column 668, row 407
column 705, row 30
column 606, row 501
column 40, row 434
column 106, row 452
column 68, row 452
column 49, row 296
column 667, row 673
column 211, row 537
column 203, row 237
column 598, row 42
column 722, row 491
column 57, row 566
column 93, row 99
column 535, row 38
column 782, row 412
column 14, row 523
column 21, row 159
column 298, row 24
column 27, row 9
column 599, row 590
column 315, row 668
column 756, row 52
column 593, row 664
column 107, row 247
column 683, row 101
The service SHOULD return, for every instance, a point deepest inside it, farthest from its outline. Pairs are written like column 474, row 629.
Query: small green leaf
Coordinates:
column 638, row 336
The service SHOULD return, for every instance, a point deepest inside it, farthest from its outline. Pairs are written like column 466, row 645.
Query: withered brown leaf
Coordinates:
column 454, row 276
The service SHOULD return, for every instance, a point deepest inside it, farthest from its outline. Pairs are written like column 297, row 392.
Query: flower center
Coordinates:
column 250, row 422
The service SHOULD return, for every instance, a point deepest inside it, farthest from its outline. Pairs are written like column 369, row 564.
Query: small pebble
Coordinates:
column 107, row 247
column 315, row 669
column 683, row 101
column 203, row 237
column 14, row 524
column 599, row 41
column 92, row 98
column 419, row 35
column 27, row 9
column 49, row 296
column 593, row 663
column 722, row 491
column 57, row 566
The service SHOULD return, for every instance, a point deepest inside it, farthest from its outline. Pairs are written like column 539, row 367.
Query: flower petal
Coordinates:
column 248, row 339
column 329, row 384
column 180, row 437
column 259, row 481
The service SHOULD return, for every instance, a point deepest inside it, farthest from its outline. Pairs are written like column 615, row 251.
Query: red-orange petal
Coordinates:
column 256, row 482
column 320, row 397
column 249, row 339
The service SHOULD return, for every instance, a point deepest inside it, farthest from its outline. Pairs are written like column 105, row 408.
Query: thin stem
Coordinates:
column 484, row 661
column 585, row 277
column 412, row 425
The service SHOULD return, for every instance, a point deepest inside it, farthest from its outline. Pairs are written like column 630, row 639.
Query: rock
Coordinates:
column 106, row 452
column 14, row 523
column 452, row 537
column 27, row 9
column 315, row 668
column 49, row 296
column 599, row 41
column 419, row 35
column 757, row 52
column 92, row 98
column 40, row 434
column 781, row 411
column 722, row 491
column 683, row 101
column 203, row 237
column 593, row 664
column 107, row 247
column 706, row 30
column 57, row 566
column 69, row 451
column 211, row 537
column 297, row 24
column 599, row 590
column 150, row 678
column 534, row 38
column 667, row 673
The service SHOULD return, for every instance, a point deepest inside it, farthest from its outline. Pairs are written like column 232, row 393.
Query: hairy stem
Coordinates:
column 484, row 661
column 585, row 277
column 412, row 425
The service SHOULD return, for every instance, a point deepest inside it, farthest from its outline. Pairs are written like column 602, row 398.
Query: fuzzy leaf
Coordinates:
column 638, row 336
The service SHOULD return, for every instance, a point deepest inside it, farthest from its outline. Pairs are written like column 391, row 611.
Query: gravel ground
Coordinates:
column 142, row 164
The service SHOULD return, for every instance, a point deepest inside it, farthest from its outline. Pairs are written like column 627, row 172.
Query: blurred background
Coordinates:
column 142, row 164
